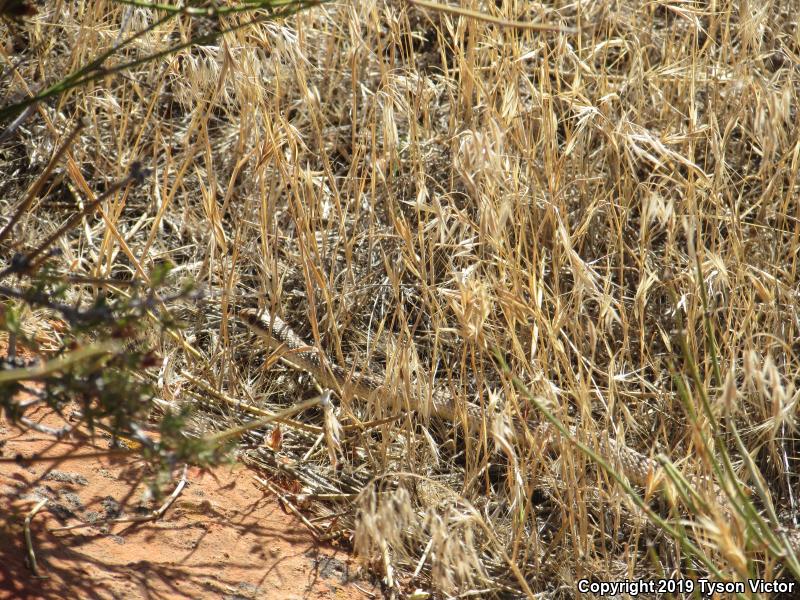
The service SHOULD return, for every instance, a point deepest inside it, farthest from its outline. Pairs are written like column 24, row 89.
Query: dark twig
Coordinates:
column 28, row 262
column 39, row 183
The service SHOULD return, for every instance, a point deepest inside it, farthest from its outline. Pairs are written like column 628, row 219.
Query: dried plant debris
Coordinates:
column 592, row 226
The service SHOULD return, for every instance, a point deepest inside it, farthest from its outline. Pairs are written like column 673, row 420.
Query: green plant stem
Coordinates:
column 58, row 364
column 235, row 432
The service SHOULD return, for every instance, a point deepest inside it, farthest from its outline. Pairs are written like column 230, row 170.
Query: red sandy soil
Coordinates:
column 222, row 538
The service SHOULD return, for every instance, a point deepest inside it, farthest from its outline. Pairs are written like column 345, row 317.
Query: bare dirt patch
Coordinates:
column 223, row 537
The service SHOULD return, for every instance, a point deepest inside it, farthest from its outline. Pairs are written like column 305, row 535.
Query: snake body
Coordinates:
column 638, row 468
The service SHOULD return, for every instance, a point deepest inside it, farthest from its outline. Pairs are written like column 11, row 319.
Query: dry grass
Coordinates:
column 418, row 191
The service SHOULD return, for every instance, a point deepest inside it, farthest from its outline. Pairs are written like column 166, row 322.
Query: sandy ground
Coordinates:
column 222, row 538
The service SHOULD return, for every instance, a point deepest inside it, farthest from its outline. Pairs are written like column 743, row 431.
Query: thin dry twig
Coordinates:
column 288, row 503
column 478, row 16
column 154, row 515
column 29, row 542
column 37, row 185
